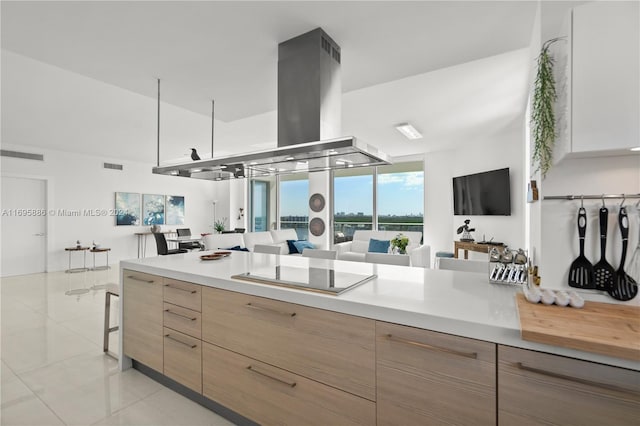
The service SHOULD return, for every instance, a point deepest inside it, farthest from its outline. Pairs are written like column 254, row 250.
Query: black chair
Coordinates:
column 161, row 244
column 192, row 245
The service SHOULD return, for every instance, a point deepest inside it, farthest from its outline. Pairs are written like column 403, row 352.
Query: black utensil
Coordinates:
column 624, row 287
column 603, row 272
column 581, row 270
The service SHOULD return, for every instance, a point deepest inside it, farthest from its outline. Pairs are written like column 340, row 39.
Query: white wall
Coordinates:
column 504, row 149
column 43, row 105
column 78, row 182
column 590, row 176
column 554, row 223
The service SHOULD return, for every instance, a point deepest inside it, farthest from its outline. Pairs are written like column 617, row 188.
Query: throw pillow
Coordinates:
column 378, row 246
column 303, row 244
column 292, row 247
column 237, row 248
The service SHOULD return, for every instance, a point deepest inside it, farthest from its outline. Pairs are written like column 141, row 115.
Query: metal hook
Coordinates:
column 603, row 206
column 624, row 197
column 582, row 201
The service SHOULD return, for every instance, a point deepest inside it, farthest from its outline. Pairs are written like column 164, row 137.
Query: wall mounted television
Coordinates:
column 482, row 194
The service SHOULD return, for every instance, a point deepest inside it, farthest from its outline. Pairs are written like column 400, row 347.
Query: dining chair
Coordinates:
column 320, row 254
column 191, row 245
column 389, row 259
column 161, row 245
column 266, row 248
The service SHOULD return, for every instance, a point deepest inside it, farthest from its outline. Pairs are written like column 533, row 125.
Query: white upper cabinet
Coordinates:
column 599, row 108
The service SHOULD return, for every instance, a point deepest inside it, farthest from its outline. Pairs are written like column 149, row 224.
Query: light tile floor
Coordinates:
column 54, row 371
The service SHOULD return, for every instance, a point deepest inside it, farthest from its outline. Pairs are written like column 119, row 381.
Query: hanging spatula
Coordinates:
column 603, row 272
column 581, row 270
column 634, row 264
column 624, row 287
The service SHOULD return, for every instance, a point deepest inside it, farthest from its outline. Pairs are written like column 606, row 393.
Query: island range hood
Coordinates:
column 309, row 115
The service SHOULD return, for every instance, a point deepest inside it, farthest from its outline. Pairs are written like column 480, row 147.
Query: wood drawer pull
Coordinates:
column 168, row 336
column 181, row 289
column 262, row 373
column 180, row 315
column 133, row 277
column 615, row 388
column 262, row 308
column 473, row 355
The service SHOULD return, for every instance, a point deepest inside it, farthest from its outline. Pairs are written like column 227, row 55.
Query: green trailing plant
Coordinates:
column 543, row 122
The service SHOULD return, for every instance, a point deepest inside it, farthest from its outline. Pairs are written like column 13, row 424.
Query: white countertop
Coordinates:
column 459, row 303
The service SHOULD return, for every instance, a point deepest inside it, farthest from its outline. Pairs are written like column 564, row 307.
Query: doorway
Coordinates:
column 24, row 226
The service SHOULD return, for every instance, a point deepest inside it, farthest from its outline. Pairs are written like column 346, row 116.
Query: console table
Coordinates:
column 142, row 241
column 472, row 246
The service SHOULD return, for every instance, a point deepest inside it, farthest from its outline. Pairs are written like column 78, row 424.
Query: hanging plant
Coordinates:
column 542, row 114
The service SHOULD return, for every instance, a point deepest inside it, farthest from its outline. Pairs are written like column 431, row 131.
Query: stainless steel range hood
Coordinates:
column 309, row 111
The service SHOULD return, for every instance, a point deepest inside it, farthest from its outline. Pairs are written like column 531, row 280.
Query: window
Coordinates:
column 294, row 204
column 400, row 196
column 394, row 203
column 352, row 202
column 262, row 207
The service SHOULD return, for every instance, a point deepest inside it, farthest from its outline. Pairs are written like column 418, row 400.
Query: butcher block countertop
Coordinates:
column 459, row 303
column 603, row 328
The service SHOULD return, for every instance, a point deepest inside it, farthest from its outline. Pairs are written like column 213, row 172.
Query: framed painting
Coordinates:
column 127, row 208
column 175, row 210
column 152, row 209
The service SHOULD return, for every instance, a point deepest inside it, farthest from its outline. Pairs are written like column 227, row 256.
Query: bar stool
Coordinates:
column 110, row 290
column 439, row 255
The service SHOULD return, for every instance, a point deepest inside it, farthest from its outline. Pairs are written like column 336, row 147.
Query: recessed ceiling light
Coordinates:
column 408, row 131
column 637, row 148
column 289, row 158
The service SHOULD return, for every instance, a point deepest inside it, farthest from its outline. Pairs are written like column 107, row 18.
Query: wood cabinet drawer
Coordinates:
column 183, row 320
column 332, row 348
column 183, row 294
column 539, row 388
column 183, row 359
column 424, row 377
column 142, row 318
column 269, row 395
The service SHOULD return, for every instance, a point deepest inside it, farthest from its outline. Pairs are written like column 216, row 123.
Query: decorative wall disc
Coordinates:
column 316, row 202
column 316, row 226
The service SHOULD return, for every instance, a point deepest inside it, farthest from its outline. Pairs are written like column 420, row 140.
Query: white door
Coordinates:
column 24, row 226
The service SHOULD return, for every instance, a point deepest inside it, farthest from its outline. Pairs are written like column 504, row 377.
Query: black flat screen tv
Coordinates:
column 482, row 194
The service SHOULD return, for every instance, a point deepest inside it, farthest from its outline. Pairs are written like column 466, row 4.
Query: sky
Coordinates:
column 398, row 194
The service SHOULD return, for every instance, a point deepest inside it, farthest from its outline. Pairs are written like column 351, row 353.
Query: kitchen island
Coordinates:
column 378, row 352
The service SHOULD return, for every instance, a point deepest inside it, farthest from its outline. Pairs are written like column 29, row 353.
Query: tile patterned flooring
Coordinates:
column 54, row 371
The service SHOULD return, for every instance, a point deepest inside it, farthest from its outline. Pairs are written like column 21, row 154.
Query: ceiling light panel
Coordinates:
column 409, row 131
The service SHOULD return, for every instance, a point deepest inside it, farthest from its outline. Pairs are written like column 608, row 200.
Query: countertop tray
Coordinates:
column 602, row 328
